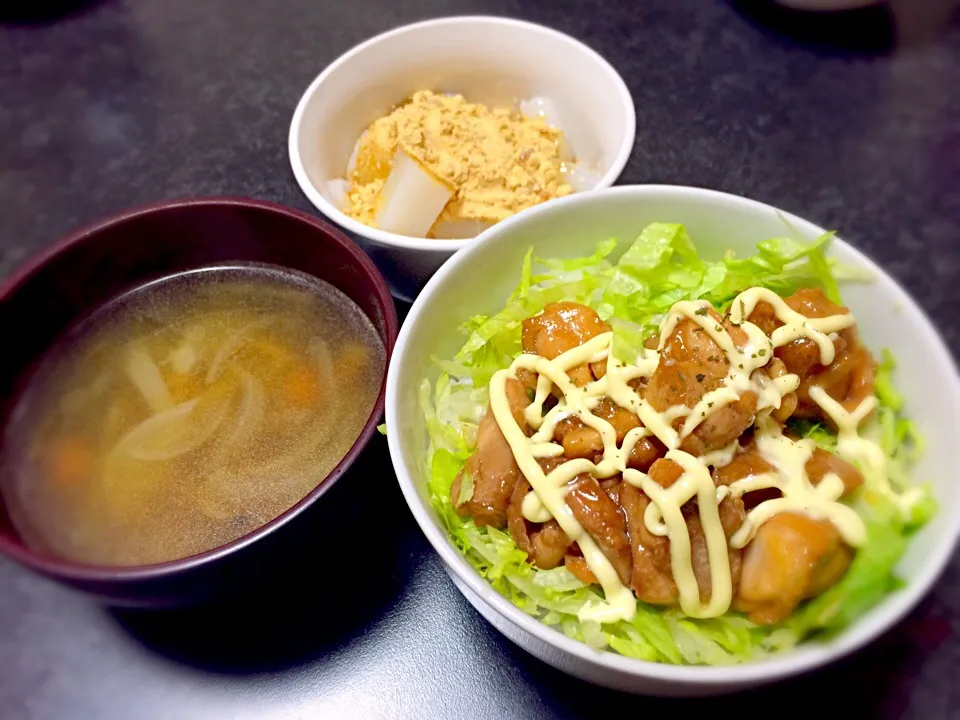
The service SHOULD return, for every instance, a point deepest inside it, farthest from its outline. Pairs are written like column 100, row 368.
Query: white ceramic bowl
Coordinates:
column 487, row 59
column 479, row 279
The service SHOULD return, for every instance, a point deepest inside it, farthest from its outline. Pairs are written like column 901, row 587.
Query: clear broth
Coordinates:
column 188, row 413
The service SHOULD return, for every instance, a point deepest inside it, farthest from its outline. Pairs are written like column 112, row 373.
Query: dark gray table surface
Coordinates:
column 128, row 101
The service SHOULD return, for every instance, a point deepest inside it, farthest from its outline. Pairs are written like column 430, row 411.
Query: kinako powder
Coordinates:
column 496, row 161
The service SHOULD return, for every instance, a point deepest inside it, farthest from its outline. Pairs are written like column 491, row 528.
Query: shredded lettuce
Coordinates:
column 633, row 293
column 494, row 341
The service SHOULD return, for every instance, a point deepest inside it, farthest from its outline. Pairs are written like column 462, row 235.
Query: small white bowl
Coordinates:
column 491, row 60
column 480, row 278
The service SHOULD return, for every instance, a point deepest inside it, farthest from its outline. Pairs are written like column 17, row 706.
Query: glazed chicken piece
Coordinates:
column 611, row 486
column 792, row 557
column 788, row 403
column 822, row 463
column 577, row 565
column 750, row 463
column 691, row 365
column 561, row 327
column 582, row 441
column 544, row 543
column 646, row 450
column 645, row 453
column 744, row 465
column 519, row 400
column 578, row 440
column 492, row 467
column 602, row 518
column 622, row 420
column 595, row 507
column 494, row 474
column 848, row 379
column 652, row 574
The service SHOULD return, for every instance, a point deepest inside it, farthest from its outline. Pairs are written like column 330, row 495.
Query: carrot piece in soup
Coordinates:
column 72, row 460
column 300, row 387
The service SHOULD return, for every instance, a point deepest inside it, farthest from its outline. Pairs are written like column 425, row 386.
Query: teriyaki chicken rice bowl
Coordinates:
column 677, row 460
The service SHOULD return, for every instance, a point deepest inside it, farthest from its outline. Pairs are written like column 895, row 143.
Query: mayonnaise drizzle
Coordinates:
column 866, row 454
column 664, row 515
column 551, row 489
column 789, row 458
column 795, row 325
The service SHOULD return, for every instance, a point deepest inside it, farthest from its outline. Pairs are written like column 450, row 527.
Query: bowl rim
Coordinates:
column 55, row 566
column 390, row 239
column 804, row 657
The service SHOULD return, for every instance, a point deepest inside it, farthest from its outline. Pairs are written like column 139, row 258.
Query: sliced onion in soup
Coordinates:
column 183, row 358
column 182, row 429
column 145, row 375
column 249, row 411
column 318, row 349
column 232, row 345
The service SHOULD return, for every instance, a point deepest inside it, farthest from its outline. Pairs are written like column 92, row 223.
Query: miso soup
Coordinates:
column 187, row 413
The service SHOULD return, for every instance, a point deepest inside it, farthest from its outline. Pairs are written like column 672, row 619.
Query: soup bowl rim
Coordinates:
column 70, row 570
